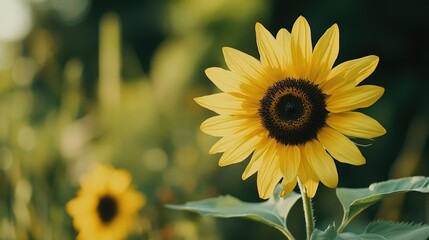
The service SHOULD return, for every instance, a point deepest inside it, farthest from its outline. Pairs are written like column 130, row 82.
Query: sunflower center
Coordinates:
column 293, row 111
column 107, row 208
column 290, row 108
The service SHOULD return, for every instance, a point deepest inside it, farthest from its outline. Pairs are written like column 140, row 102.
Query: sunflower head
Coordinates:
column 106, row 206
column 291, row 110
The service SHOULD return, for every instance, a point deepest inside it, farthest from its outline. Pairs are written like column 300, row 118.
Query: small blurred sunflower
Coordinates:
column 106, row 205
column 291, row 109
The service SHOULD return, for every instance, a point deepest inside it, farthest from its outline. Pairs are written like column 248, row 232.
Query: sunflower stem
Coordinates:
column 308, row 210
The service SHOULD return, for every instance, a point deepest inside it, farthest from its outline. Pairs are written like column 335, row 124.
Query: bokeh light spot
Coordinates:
column 15, row 20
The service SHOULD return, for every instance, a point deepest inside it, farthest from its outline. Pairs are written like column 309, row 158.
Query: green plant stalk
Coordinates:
column 287, row 234
column 345, row 222
column 308, row 210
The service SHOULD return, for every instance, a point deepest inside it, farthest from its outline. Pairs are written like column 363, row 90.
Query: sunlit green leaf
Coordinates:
column 355, row 201
column 331, row 234
column 377, row 231
column 399, row 231
column 272, row 212
column 363, row 236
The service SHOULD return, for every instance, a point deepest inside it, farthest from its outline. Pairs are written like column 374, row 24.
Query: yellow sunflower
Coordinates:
column 106, row 205
column 291, row 109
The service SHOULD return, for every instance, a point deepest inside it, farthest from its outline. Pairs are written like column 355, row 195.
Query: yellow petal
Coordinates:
column 131, row 201
column 308, row 177
column 358, row 97
column 256, row 160
column 72, row 206
column 355, row 124
column 289, row 158
column 269, row 50
column 228, row 81
column 228, row 104
column 357, row 69
column 118, row 181
column 321, row 163
column 223, row 125
column 267, row 185
column 301, row 46
column 228, row 141
column 269, row 174
column 247, row 66
column 324, row 55
column 349, row 74
column 240, row 150
column 340, row 147
column 287, row 187
column 96, row 180
column 284, row 39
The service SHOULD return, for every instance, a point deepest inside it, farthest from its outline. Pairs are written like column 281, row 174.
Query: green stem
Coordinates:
column 308, row 210
column 287, row 234
column 343, row 225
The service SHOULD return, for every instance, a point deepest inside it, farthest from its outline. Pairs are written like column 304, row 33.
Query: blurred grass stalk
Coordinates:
column 31, row 156
column 406, row 164
column 109, row 69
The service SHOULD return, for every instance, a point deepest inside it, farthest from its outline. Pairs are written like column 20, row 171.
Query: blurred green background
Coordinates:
column 90, row 81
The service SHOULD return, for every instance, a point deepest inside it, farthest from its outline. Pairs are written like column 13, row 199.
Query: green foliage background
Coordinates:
column 114, row 83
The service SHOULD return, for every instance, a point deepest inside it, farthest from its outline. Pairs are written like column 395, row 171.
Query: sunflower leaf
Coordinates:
column 328, row 234
column 356, row 200
column 272, row 212
column 378, row 230
column 331, row 234
column 398, row 231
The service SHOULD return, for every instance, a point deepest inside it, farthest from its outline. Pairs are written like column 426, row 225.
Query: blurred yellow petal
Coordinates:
column 324, row 55
column 132, row 202
column 106, row 212
column 358, row 97
column 322, row 164
column 119, row 181
column 301, row 46
column 340, row 147
column 355, row 124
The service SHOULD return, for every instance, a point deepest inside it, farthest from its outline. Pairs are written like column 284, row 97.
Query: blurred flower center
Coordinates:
column 293, row 111
column 107, row 208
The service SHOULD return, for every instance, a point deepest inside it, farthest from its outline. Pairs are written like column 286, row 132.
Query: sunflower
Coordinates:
column 106, row 206
column 292, row 109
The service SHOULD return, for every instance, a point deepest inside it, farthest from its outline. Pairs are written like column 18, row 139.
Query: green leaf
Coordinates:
column 272, row 212
column 328, row 234
column 356, row 200
column 331, row 234
column 377, row 231
column 364, row 236
column 399, row 231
